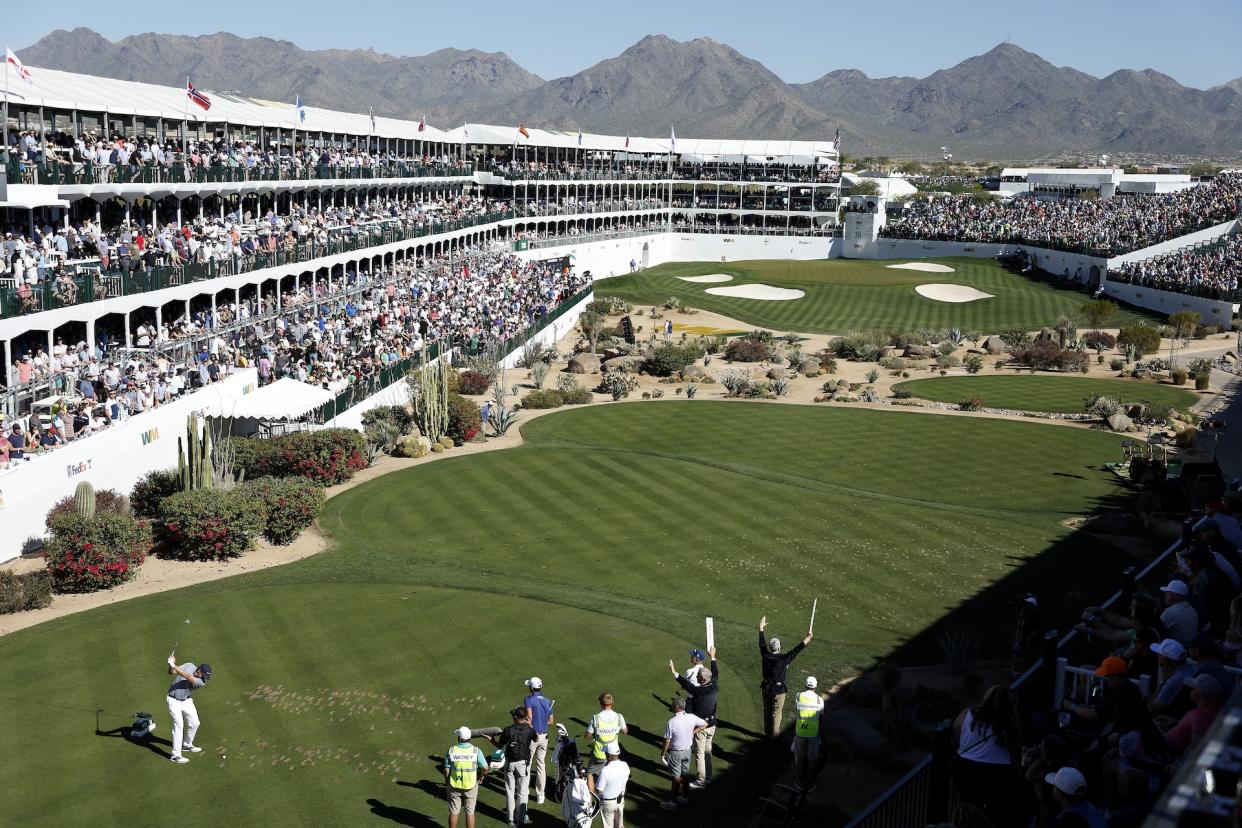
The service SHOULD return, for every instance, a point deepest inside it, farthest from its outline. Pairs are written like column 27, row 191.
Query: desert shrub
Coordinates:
column 947, row 361
column 669, row 359
column 464, row 419
column 1144, row 338
column 864, row 347
column 780, row 386
column 973, row 363
column 1178, row 375
column 472, row 382
column 736, row 383
column 1015, row 339
column 1116, row 363
column 972, row 404
column 902, row 393
column 210, row 524
column 577, row 396
column 292, row 504
column 946, row 348
column 151, row 489
column 329, row 456
column 1202, row 381
column 691, row 391
column 32, row 590
column 872, row 375
column 1047, row 355
column 1199, row 365
column 617, row 384
column 543, row 398
column 106, row 500
column 1099, row 340
column 396, row 414
column 534, row 352
column 893, row 363
column 748, row 349
column 88, row 554
column 827, row 363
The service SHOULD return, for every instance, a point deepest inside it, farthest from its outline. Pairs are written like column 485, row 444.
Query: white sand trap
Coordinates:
column 951, row 293
column 710, row 278
column 761, row 292
column 926, row 267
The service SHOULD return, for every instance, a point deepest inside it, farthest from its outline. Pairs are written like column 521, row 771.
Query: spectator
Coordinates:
column 679, row 735
column 1069, row 790
column 1170, row 699
column 987, row 750
column 702, row 688
column 1133, row 802
column 1179, row 616
column 1205, row 693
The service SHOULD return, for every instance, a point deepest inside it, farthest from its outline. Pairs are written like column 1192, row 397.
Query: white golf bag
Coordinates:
column 578, row 805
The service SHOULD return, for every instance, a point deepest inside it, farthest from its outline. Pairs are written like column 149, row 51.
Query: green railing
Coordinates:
column 117, row 281
column 396, row 372
column 53, row 172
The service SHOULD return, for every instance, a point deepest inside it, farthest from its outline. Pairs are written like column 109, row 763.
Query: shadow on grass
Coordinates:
column 401, row 816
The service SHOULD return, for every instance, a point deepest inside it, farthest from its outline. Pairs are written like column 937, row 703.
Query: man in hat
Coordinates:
column 1120, row 694
column 806, row 732
column 775, row 669
column 464, row 767
column 539, row 714
column 697, row 657
column 1179, row 618
column 1205, row 692
column 185, row 719
column 1069, row 791
column 702, row 689
column 609, row 785
column 516, row 740
column 1170, row 700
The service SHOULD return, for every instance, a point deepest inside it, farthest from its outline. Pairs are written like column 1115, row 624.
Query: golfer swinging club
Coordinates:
column 181, row 706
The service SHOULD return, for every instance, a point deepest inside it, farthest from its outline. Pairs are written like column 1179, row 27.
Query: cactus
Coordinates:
column 84, row 500
column 429, row 391
column 203, row 463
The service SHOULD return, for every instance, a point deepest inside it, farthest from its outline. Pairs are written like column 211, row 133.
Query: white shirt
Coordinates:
column 1181, row 621
column 611, row 779
column 981, row 745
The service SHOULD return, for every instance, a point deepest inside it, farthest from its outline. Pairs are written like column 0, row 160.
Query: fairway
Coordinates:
column 1057, row 394
column 845, row 295
column 588, row 556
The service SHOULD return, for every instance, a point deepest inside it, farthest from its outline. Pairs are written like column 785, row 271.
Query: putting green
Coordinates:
column 588, row 556
column 1058, row 394
column 845, row 294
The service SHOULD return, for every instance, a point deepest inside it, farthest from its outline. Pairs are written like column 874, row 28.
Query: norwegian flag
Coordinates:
column 22, row 72
column 196, row 96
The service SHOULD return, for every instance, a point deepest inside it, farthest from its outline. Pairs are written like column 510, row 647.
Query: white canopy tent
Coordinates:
column 284, row 399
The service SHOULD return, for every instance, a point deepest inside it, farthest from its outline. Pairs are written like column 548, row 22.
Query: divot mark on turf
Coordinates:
column 762, row 292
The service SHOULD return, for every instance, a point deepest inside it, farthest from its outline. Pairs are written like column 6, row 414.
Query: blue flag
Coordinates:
column 301, row 110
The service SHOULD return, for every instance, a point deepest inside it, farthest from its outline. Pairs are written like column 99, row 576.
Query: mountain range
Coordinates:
column 1005, row 104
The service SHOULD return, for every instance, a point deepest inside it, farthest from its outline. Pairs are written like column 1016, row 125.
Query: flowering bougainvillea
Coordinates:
column 88, row 554
column 292, row 504
column 209, row 524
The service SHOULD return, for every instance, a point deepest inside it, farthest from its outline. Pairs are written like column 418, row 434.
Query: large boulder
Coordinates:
column 809, row 367
column 994, row 345
column 775, row 373
column 888, row 351
column 1120, row 423
column 693, row 371
column 624, row 363
column 920, row 351
column 586, row 363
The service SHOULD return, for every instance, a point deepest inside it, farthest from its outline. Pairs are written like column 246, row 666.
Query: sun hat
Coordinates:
column 1112, row 666
column 811, row 682
column 1207, row 685
column 1169, row 648
column 1177, row 587
column 1068, row 780
column 462, row 733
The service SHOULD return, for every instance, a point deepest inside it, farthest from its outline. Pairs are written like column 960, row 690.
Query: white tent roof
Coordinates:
column 70, row 90
column 284, row 399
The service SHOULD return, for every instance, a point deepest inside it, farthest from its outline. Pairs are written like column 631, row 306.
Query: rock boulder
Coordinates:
column 1120, row 423
column 586, row 363
column 693, row 371
column 994, row 345
column 920, row 351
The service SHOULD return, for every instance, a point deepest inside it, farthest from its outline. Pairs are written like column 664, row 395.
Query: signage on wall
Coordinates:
column 74, row 469
column 150, row 436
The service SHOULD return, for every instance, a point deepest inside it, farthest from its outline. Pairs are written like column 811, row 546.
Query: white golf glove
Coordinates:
column 172, row 662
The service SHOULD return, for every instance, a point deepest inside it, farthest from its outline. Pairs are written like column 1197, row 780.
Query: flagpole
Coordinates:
column 6, row 113
column 185, row 121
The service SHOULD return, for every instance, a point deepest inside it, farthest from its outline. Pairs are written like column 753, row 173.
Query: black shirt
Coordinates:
column 775, row 665
column 516, row 739
column 702, row 697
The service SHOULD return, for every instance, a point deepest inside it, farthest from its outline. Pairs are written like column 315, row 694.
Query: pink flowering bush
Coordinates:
column 291, row 503
column 89, row 554
column 209, row 524
column 328, row 457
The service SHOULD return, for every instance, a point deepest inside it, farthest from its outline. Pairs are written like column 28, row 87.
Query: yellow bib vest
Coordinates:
column 463, row 762
column 606, row 725
column 808, row 714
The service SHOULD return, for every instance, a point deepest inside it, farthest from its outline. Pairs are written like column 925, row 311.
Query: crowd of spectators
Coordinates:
column 1211, row 271
column 658, row 168
column 1106, row 227
column 334, row 336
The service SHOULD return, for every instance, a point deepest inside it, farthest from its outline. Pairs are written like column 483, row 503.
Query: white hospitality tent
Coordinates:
column 284, row 399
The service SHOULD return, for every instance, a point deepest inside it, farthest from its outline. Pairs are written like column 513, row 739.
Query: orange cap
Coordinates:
column 1112, row 666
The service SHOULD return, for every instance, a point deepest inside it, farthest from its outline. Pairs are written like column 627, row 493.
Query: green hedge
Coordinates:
column 210, row 524
column 291, row 505
column 329, row 456
column 151, row 489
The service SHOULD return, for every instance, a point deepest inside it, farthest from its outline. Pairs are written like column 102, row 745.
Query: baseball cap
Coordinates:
column 206, row 670
column 1177, row 588
column 612, row 749
column 1068, row 780
column 462, row 733
column 1112, row 666
column 1169, row 648
column 811, row 682
column 697, row 653
column 1206, row 684
column 534, row 683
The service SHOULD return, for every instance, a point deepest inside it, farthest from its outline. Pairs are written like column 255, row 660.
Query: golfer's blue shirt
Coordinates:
column 540, row 710
column 182, row 688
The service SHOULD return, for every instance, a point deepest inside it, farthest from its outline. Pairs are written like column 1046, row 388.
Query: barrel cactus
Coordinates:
column 84, row 500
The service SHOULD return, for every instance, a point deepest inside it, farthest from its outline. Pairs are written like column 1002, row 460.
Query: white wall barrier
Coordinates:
column 113, row 459
column 1211, row 311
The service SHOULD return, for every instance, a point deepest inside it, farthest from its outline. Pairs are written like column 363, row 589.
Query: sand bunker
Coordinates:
column 951, row 293
column 761, row 292
column 710, row 278
column 926, row 267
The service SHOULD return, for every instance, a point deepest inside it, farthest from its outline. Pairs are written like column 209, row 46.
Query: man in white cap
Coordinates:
column 609, row 785
column 1169, row 699
column 1069, row 791
column 806, row 732
column 464, row 767
column 539, row 714
column 1179, row 617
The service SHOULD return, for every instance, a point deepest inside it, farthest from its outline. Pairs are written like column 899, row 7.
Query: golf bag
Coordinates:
column 568, row 762
column 578, row 805
column 144, row 726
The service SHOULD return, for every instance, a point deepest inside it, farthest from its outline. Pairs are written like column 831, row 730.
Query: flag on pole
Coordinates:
column 22, row 72
column 837, row 141
column 672, row 139
column 196, row 96
column 627, row 142
column 301, row 109
column 371, row 110
column 523, row 131
column 422, row 123
column 579, row 137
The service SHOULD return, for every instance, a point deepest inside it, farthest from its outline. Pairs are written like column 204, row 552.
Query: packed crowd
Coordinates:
column 1211, row 271
column 657, row 168
column 1159, row 674
column 1106, row 227
column 333, row 336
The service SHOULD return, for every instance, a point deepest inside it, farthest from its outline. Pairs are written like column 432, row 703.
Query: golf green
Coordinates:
column 1058, row 394
column 588, row 556
column 846, row 295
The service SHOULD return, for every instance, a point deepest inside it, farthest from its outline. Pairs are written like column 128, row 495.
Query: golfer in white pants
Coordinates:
column 181, row 706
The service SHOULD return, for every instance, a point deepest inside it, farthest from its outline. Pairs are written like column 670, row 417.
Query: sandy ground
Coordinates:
column 951, row 293
column 710, row 278
column 762, row 292
column 158, row 575
column 926, row 267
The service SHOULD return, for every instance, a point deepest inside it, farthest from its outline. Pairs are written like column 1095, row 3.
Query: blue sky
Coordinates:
column 1195, row 43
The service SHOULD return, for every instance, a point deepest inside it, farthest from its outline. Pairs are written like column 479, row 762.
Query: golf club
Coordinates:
column 180, row 635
